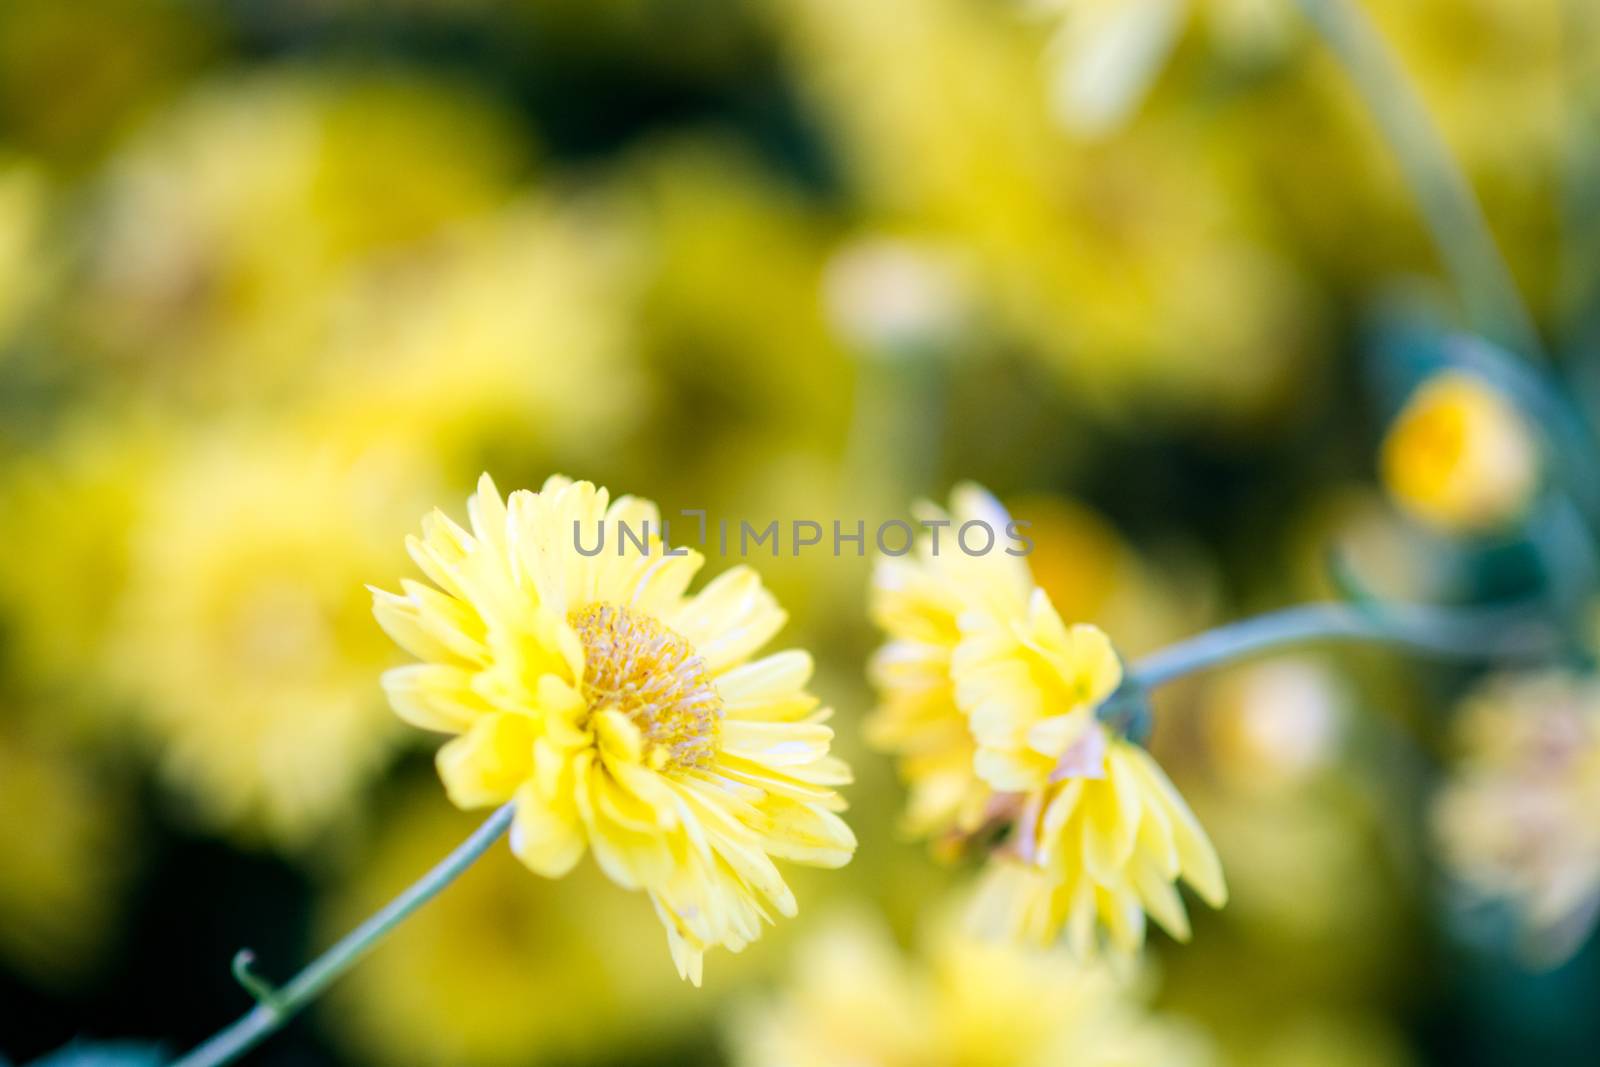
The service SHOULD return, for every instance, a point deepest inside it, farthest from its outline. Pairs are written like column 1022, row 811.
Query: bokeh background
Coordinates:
column 275, row 278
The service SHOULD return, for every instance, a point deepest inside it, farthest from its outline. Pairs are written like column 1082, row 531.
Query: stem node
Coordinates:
column 244, row 972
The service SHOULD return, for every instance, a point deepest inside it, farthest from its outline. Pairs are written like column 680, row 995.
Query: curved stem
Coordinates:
column 272, row 1011
column 1448, row 206
column 1471, row 634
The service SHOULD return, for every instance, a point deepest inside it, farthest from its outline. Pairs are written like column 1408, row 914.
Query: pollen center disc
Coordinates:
column 637, row 665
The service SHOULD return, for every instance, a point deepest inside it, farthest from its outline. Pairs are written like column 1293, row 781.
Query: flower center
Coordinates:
column 632, row 663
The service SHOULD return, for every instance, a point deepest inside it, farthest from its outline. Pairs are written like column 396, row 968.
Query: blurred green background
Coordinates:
column 275, row 278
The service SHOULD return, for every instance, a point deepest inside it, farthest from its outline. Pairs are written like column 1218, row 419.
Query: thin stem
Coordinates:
column 271, row 1012
column 1470, row 634
column 1451, row 211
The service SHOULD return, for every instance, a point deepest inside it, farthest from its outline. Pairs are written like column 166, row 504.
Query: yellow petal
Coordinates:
column 400, row 619
column 776, row 744
column 619, row 739
column 729, row 619
column 1198, row 859
column 435, row 697
column 1161, row 900
column 488, row 763
column 547, row 837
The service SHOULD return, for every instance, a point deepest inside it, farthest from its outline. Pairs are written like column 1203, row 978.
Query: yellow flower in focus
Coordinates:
column 1460, row 456
column 855, row 999
column 620, row 714
column 502, row 970
column 979, row 667
column 243, row 633
column 1516, row 821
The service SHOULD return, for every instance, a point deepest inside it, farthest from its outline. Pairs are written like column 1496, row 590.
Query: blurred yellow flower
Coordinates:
column 710, row 219
column 64, row 841
column 1516, row 820
column 618, row 713
column 67, row 510
column 501, row 970
column 760, row 382
column 230, row 228
column 979, row 666
column 438, row 355
column 1135, row 267
column 1460, row 456
column 243, row 634
column 855, row 999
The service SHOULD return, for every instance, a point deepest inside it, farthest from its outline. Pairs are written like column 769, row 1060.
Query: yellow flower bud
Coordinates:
column 1460, row 456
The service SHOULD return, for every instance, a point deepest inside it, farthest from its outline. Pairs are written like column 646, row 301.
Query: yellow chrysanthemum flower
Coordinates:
column 620, row 714
column 1517, row 819
column 991, row 702
column 1460, row 456
column 854, row 999
column 242, row 633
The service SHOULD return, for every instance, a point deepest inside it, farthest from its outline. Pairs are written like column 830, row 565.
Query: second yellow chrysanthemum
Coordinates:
column 990, row 701
column 620, row 714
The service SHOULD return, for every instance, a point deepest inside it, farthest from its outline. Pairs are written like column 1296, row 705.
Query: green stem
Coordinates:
column 276, row 1008
column 1468, row 634
column 1453, row 216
